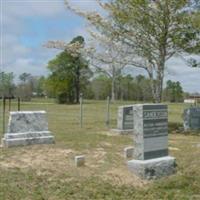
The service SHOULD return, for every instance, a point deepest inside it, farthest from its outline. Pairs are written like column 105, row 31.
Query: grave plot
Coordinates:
column 191, row 117
column 124, row 120
column 151, row 142
column 26, row 128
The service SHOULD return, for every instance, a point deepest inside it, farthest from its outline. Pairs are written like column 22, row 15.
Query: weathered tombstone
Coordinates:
column 26, row 128
column 191, row 118
column 79, row 160
column 124, row 120
column 151, row 142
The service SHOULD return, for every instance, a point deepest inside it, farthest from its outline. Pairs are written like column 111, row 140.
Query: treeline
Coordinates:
column 27, row 86
column 98, row 88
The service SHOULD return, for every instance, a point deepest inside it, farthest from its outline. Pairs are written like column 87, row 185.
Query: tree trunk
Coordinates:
column 113, row 90
column 157, row 84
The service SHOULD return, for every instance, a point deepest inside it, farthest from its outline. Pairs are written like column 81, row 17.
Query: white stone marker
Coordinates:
column 26, row 128
column 151, row 142
column 79, row 161
column 124, row 120
column 128, row 152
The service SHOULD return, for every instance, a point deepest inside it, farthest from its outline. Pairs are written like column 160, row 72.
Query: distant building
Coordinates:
column 193, row 99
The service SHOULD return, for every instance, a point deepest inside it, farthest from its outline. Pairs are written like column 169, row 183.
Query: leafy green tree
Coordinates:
column 68, row 75
column 173, row 92
column 101, row 87
column 37, row 83
column 25, row 87
column 7, row 86
column 25, row 77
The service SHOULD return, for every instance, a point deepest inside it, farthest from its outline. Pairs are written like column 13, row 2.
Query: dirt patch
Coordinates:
column 122, row 176
column 42, row 159
column 96, row 158
column 54, row 162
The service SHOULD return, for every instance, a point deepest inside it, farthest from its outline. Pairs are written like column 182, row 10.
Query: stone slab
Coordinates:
column 153, row 168
column 27, row 135
column 27, row 121
column 27, row 141
column 27, row 128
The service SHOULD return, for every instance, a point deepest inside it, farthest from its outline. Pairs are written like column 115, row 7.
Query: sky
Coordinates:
column 26, row 25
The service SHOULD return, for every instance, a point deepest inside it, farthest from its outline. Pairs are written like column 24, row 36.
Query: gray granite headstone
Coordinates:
column 125, row 117
column 27, row 127
column 124, row 120
column 191, row 118
column 151, row 142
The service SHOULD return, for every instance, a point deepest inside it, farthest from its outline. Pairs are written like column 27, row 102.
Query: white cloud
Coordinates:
column 178, row 70
column 22, row 8
column 86, row 5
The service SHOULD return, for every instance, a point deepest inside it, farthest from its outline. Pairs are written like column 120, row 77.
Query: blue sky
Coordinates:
column 27, row 24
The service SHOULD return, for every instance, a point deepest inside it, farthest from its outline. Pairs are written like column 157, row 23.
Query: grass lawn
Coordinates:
column 47, row 172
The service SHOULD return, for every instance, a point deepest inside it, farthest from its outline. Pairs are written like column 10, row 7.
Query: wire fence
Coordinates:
column 86, row 115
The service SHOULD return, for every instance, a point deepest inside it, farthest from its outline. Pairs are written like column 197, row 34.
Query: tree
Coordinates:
column 25, row 77
column 7, row 86
column 38, row 85
column 101, row 87
column 153, row 31
column 25, row 87
column 192, row 35
column 68, row 73
column 173, row 92
column 106, row 58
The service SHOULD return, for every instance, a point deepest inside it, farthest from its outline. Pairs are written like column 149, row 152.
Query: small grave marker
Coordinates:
column 128, row 152
column 80, row 160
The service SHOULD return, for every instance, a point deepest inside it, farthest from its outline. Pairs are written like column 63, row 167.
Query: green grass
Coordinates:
column 48, row 172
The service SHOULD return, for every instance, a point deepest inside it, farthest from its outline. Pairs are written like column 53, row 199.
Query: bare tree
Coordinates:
column 153, row 31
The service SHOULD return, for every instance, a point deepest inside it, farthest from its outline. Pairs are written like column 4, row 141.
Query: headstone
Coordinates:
column 124, row 120
column 128, row 152
column 79, row 161
column 26, row 128
column 151, row 142
column 191, row 118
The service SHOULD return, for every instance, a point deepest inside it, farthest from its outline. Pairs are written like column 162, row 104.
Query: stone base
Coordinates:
column 122, row 132
column 153, row 168
column 29, row 138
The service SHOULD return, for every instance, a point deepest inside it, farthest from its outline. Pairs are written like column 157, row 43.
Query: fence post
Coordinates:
column 4, row 114
column 108, row 112
column 9, row 104
column 81, row 110
column 18, row 104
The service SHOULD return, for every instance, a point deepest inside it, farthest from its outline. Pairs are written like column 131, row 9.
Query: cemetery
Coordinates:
column 100, row 100
column 92, row 156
